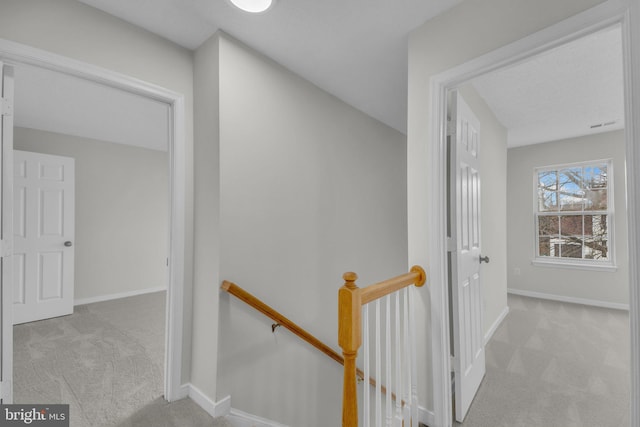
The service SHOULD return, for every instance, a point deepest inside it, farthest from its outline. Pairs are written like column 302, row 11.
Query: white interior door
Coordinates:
column 466, row 290
column 43, row 228
column 6, row 233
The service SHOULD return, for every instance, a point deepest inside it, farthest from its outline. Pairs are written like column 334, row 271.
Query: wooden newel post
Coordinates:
column 349, row 339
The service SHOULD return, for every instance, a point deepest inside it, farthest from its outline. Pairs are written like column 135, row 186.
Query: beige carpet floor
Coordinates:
column 107, row 362
column 554, row 364
column 550, row 364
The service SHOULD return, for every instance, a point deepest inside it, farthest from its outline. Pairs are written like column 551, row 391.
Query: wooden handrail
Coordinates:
column 415, row 276
column 274, row 315
column 280, row 319
column 350, row 302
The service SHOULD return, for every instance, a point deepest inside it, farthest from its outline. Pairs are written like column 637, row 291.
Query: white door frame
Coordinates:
column 16, row 53
column 624, row 12
column 6, row 152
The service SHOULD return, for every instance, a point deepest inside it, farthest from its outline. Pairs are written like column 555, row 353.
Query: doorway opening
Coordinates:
column 173, row 262
column 90, row 245
column 455, row 79
column 540, row 113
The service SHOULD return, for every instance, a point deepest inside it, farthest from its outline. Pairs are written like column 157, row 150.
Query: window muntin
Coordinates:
column 574, row 213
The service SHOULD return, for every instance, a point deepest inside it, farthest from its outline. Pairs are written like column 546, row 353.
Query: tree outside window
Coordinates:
column 573, row 212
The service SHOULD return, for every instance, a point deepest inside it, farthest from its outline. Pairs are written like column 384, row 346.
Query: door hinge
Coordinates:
column 451, row 245
column 6, row 250
column 6, row 107
column 451, row 128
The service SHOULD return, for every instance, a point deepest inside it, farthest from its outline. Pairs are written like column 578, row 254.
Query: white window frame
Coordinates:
column 577, row 263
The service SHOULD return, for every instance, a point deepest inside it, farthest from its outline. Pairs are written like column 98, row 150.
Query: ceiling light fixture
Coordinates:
column 253, row 6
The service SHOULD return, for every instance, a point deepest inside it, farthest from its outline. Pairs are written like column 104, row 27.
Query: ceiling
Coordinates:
column 355, row 50
column 560, row 93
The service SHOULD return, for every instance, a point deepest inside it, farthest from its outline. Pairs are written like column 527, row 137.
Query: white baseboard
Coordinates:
column 215, row 409
column 573, row 300
column 242, row 419
column 91, row 300
column 223, row 409
column 496, row 324
column 426, row 416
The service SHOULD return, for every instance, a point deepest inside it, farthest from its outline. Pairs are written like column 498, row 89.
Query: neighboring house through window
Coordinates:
column 574, row 214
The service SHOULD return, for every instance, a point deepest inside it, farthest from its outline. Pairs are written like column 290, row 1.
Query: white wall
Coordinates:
column 72, row 29
column 493, row 214
column 462, row 33
column 207, row 219
column 121, row 212
column 309, row 188
column 598, row 286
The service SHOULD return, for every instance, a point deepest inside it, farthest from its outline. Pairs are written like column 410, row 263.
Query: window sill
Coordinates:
column 573, row 265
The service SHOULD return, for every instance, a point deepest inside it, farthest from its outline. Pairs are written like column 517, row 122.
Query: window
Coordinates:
column 574, row 213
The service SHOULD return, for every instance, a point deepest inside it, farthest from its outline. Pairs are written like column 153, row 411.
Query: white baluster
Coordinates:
column 414, row 373
column 378, row 401
column 387, row 362
column 407, row 360
column 366, row 414
column 398, row 376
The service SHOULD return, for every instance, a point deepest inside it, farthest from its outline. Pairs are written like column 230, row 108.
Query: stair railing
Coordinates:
column 283, row 321
column 400, row 406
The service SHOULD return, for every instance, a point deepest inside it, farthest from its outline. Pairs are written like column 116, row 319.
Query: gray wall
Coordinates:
column 121, row 210
column 309, row 188
column 459, row 35
column 75, row 30
column 493, row 214
column 598, row 286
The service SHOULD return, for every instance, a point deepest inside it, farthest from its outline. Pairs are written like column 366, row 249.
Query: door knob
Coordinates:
column 68, row 243
column 484, row 259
